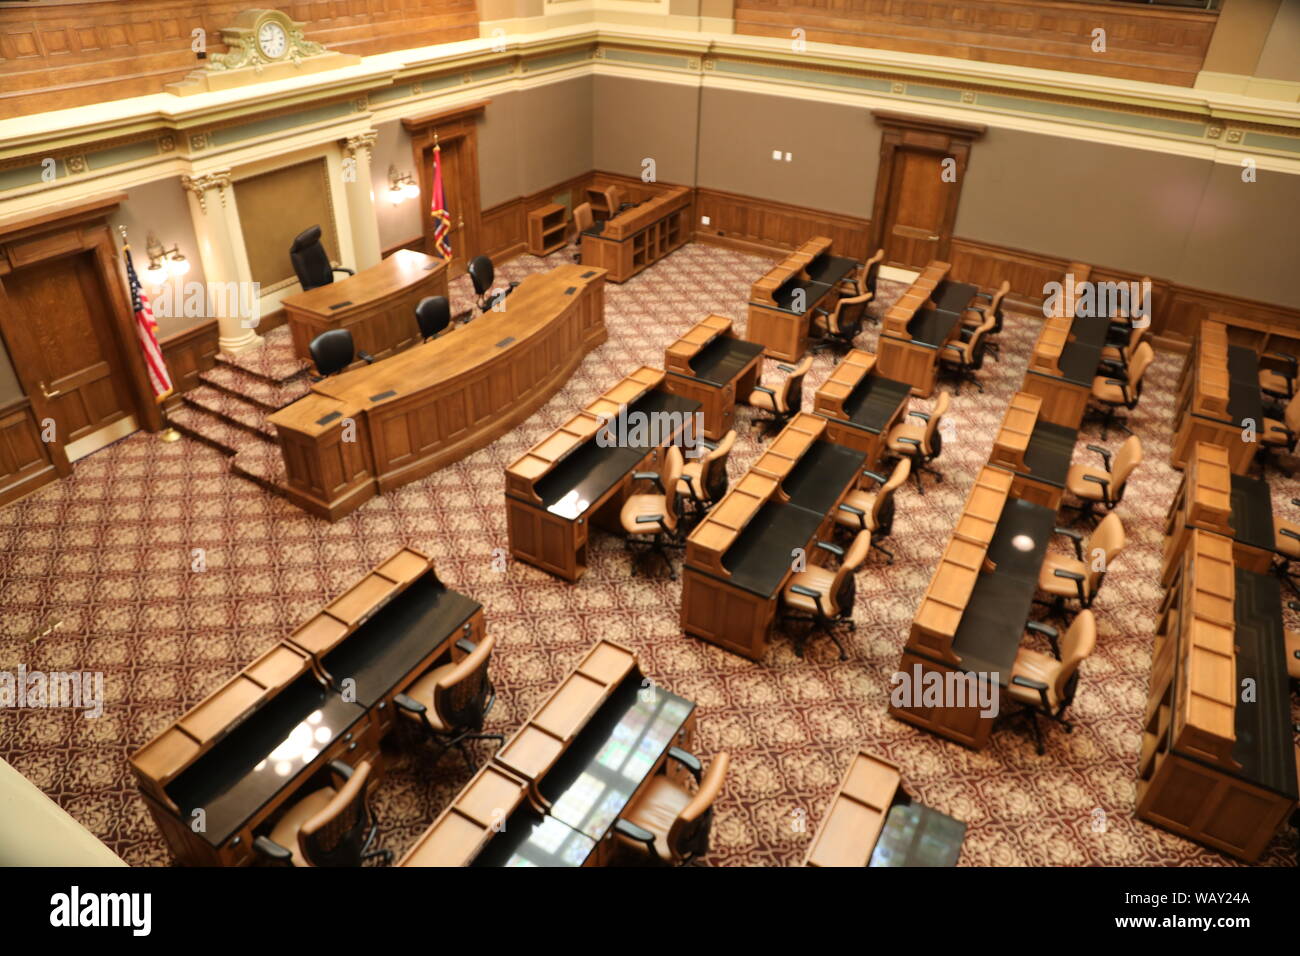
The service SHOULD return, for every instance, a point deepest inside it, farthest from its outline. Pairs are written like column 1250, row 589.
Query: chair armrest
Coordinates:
column 408, row 704
column 1073, row 536
column 687, row 760
column 786, row 368
column 806, row 592
column 690, row 483
column 1037, row 627
column 820, row 311
column 1296, row 502
column 1032, row 684
column 903, row 440
column 1115, row 381
column 856, row 512
column 648, row 519
column 466, row 645
column 342, row 269
column 924, row 416
column 1288, row 533
column 875, row 476
column 764, row 389
column 633, row 832
column 834, row 549
column 987, row 296
column 1074, row 576
column 1105, row 455
column 651, row 476
column 366, row 357
column 1293, row 606
column 272, row 850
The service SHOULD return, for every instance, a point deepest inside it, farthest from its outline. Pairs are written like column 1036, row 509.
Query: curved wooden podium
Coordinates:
column 380, row 426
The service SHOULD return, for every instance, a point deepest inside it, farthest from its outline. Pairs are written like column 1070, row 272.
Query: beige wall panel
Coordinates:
column 553, row 139
column 835, row 150
column 634, row 119
column 1097, row 203
column 1280, row 58
column 400, row 223
column 499, row 160
column 274, row 207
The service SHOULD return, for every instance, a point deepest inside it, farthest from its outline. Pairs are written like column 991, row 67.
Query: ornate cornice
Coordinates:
column 353, row 144
column 199, row 185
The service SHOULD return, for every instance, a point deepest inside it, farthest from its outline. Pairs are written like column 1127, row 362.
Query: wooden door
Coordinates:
column 455, row 131
column 56, row 323
column 918, row 187
column 455, row 183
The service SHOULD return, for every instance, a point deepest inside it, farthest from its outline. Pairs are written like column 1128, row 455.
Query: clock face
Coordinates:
column 271, row 40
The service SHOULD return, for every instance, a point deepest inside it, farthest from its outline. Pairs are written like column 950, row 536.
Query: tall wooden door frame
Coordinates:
column 65, row 231
column 459, row 126
column 939, row 137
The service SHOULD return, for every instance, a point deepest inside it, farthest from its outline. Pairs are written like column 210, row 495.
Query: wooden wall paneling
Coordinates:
column 1157, row 45
column 764, row 226
column 25, row 462
column 187, row 354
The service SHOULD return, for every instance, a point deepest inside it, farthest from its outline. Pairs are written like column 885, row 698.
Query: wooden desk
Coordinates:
column 861, row 406
column 1218, row 392
column 640, row 236
column 782, row 302
column 375, row 428
column 917, row 327
column 1065, row 359
column 1036, row 451
column 711, row 364
column 1213, row 499
column 971, row 619
column 555, row 789
column 848, row 832
column 581, row 474
column 1210, row 767
column 259, row 740
column 377, row 305
column 741, row 554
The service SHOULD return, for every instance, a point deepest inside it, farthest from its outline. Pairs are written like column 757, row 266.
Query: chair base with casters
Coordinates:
column 661, row 544
column 1031, row 714
column 921, row 463
column 818, row 625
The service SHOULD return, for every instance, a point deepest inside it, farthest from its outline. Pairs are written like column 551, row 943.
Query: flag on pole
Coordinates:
column 441, row 218
column 146, row 330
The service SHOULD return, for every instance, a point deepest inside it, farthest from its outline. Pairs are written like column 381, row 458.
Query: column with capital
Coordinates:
column 225, row 262
column 359, row 191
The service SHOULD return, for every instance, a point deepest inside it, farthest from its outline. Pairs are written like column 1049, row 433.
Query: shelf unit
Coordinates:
column 546, row 229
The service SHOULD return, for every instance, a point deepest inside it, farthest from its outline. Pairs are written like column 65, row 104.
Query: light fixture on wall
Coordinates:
column 401, row 187
column 163, row 263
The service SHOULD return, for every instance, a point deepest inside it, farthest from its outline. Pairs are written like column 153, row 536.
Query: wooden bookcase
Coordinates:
column 546, row 229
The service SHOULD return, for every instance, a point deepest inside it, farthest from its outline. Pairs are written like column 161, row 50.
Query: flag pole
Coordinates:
column 167, row 434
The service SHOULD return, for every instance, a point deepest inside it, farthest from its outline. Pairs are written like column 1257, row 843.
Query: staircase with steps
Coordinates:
column 228, row 410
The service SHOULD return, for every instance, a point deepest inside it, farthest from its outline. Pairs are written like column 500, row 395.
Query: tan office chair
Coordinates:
column 864, row 280
column 966, row 357
column 1292, row 641
column 1275, row 435
column 656, row 515
column 582, row 221
column 921, row 443
column 1118, row 357
column 839, row 326
column 331, row 826
column 1045, row 686
column 452, row 701
column 783, row 402
column 704, row 480
column 1278, row 383
column 873, row 511
column 1110, row 393
column 1286, row 547
column 976, row 315
column 1080, row 578
column 1103, row 486
column 824, row 597
column 667, row 824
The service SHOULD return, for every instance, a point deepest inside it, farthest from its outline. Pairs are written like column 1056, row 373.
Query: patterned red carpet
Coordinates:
column 105, row 559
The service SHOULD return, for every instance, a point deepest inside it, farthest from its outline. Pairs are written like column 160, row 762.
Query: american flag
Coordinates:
column 441, row 218
column 146, row 329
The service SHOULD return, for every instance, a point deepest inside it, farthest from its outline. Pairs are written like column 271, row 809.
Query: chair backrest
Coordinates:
column 310, row 261
column 975, row 344
column 481, row 273
column 332, row 351
column 614, row 196
column 995, row 307
column 791, row 394
column 1127, row 458
column 882, row 509
column 432, row 315
column 336, row 834
column 871, row 272
column 460, row 697
column 1103, row 545
column 670, row 473
column 1077, row 645
column 848, row 314
column 931, row 445
column 1291, row 416
column 1135, row 336
column 1142, row 356
column 688, row 837
column 582, row 219
column 713, row 469
column 843, row 589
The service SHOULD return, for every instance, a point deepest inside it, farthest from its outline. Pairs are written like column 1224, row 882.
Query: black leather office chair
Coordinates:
column 310, row 262
column 433, row 315
column 332, row 826
column 482, row 274
column 333, row 351
column 452, row 701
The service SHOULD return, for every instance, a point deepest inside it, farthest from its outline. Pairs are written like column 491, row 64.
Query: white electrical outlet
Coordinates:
column 704, row 220
column 788, row 157
column 776, row 154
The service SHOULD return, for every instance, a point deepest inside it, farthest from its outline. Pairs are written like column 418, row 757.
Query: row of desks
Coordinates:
column 217, row 776
column 1218, row 395
column 782, row 302
column 553, row 792
column 917, row 327
column 635, row 238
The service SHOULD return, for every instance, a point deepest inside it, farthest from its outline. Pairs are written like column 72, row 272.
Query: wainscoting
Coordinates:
column 25, row 462
column 187, row 354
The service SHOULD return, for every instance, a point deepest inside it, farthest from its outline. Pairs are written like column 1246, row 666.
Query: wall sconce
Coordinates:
column 401, row 187
column 163, row 263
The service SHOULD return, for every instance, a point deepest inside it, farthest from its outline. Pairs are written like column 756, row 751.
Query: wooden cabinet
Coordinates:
column 546, row 229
